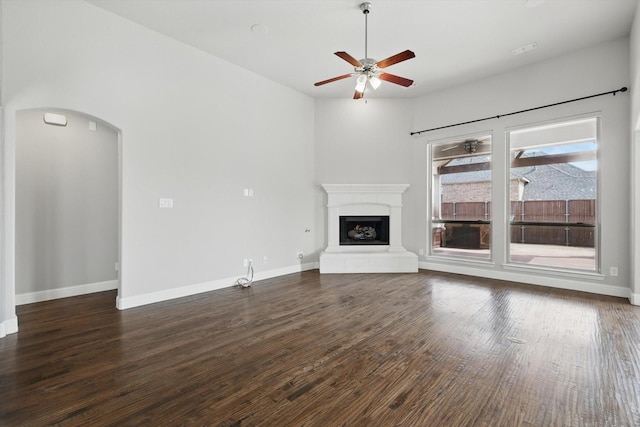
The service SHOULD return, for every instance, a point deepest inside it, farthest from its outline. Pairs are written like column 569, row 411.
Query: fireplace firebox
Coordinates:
column 364, row 230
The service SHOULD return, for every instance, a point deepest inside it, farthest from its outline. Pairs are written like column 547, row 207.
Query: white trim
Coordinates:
column 69, row 291
column 572, row 274
column 9, row 326
column 446, row 258
column 197, row 288
column 551, row 282
column 366, row 188
column 634, row 298
column 7, row 252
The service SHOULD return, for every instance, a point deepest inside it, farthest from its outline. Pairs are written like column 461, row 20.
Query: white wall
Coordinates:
column 66, row 204
column 598, row 69
column 360, row 142
column 635, row 157
column 194, row 128
column 8, row 319
column 634, row 38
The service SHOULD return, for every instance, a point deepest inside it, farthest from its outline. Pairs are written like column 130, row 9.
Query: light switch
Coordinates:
column 166, row 203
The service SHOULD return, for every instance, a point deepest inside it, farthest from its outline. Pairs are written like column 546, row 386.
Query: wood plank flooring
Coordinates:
column 425, row 349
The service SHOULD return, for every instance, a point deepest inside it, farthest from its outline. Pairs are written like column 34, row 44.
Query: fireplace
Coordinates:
column 364, row 230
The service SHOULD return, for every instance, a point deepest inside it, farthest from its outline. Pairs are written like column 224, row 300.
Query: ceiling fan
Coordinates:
column 470, row 145
column 367, row 70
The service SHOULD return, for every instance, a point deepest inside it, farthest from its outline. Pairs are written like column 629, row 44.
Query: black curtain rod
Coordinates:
column 612, row 92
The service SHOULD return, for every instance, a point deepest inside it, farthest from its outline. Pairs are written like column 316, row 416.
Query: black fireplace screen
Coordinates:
column 364, row 230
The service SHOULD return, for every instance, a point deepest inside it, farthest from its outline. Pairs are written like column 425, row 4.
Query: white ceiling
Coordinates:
column 455, row 41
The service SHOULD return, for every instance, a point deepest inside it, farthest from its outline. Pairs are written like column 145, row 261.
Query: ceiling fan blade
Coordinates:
column 357, row 95
column 449, row 148
column 324, row 82
column 395, row 79
column 398, row 57
column 350, row 59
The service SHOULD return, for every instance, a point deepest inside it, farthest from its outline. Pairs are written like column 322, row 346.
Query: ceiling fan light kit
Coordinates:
column 369, row 71
column 471, row 146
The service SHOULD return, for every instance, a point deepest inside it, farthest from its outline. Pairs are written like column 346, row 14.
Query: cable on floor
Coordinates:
column 245, row 282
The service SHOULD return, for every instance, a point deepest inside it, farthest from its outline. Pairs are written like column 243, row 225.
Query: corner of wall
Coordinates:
column 8, row 326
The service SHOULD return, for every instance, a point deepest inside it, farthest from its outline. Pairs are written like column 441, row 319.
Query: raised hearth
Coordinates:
column 376, row 209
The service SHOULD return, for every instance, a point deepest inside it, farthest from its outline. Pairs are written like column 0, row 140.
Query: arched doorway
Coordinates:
column 67, row 205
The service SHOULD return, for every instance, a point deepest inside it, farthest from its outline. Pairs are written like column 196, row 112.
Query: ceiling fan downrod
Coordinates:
column 365, row 8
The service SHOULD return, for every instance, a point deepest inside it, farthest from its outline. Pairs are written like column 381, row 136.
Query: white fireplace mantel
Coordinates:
column 366, row 199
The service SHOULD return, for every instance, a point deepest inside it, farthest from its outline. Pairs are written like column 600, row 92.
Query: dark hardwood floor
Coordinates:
column 425, row 349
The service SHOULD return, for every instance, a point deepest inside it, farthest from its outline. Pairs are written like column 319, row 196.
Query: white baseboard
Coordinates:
column 269, row 274
column 9, row 326
column 523, row 277
column 69, row 291
column 124, row 303
column 634, row 298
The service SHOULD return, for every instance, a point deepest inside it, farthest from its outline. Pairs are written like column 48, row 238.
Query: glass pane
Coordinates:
column 461, row 198
column 553, row 184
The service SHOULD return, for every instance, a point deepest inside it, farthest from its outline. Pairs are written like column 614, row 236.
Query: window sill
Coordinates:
column 574, row 274
column 487, row 262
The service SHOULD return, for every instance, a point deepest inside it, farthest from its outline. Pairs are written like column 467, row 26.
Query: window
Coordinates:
column 461, row 197
column 553, row 195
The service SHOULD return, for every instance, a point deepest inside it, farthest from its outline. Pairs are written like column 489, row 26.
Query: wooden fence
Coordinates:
column 571, row 221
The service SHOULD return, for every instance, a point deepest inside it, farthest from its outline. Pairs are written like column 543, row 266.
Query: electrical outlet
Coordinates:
column 265, row 259
column 613, row 271
column 421, row 251
column 116, row 267
column 300, row 255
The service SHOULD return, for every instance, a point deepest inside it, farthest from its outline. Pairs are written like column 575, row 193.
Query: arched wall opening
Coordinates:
column 63, row 193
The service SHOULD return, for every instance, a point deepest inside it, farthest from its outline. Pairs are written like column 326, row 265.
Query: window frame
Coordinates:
column 431, row 194
column 508, row 262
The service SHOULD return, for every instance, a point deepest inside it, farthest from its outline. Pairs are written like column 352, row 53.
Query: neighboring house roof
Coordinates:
column 562, row 181
column 463, row 177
